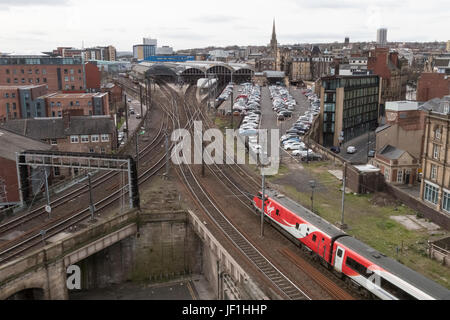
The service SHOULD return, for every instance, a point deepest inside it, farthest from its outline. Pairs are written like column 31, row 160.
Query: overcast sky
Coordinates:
column 41, row 25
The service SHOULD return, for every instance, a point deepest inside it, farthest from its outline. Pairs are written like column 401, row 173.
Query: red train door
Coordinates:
column 322, row 247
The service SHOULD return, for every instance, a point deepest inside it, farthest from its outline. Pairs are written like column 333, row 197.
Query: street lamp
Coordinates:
column 312, row 184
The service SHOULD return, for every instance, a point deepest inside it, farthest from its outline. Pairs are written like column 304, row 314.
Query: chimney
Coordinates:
column 66, row 119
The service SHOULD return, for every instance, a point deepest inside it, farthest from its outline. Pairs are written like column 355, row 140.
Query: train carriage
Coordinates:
column 311, row 230
column 382, row 276
column 379, row 275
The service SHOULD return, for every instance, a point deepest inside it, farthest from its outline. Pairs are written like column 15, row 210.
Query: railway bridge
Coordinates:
column 135, row 246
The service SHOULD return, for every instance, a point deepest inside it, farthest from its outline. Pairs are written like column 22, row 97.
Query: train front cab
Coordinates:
column 370, row 277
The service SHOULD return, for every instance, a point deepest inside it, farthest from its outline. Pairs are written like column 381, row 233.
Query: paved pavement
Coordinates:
column 133, row 122
column 360, row 143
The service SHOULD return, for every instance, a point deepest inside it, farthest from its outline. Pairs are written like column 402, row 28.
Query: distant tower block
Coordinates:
column 382, row 36
column 347, row 40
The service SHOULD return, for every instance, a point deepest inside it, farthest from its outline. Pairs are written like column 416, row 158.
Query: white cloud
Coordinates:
column 201, row 23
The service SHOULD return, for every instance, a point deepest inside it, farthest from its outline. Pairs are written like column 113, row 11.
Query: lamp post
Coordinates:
column 312, row 184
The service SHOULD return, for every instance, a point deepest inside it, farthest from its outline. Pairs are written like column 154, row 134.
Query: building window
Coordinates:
column 95, row 138
column 431, row 193
column 91, row 150
column 435, row 151
column 400, row 176
column 84, row 139
column 44, row 71
column 446, row 201
column 103, row 151
column 437, row 133
column 387, row 174
column 56, row 171
column 53, row 142
column 105, row 137
column 434, row 171
column 73, row 139
column 66, row 78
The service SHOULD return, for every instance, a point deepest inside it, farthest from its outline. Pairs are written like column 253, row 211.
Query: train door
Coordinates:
column 322, row 248
column 339, row 259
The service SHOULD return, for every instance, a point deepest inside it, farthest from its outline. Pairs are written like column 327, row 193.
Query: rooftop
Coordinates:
column 11, row 142
column 403, row 105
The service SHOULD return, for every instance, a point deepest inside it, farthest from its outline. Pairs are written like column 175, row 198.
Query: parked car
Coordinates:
column 371, row 153
column 336, row 149
column 351, row 150
column 312, row 157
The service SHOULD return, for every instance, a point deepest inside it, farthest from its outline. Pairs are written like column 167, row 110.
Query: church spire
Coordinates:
column 274, row 35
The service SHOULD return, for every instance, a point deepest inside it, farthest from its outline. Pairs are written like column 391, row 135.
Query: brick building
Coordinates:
column 405, row 122
column 70, row 133
column 10, row 143
column 17, row 102
column 432, row 85
column 55, row 73
column 398, row 166
column 392, row 70
column 435, row 188
column 93, row 77
column 115, row 95
column 89, row 103
column 300, row 69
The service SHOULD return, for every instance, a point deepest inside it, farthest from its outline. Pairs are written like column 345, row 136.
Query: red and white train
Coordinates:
column 385, row 278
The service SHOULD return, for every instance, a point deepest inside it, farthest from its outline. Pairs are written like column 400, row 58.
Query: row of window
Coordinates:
column 6, row 95
column 362, row 92
column 93, row 138
column 360, row 109
column 71, row 103
column 348, row 103
column 30, row 71
column 37, row 71
column 431, row 194
column 384, row 284
column 30, row 80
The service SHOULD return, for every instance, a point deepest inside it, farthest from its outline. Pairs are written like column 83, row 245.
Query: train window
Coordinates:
column 395, row 291
column 314, row 238
column 358, row 267
column 277, row 212
column 339, row 253
column 297, row 226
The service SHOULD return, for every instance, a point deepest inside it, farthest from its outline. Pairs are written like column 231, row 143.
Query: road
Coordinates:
column 133, row 122
column 360, row 143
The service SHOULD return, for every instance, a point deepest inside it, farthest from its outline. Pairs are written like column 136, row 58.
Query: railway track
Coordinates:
column 33, row 237
column 205, row 201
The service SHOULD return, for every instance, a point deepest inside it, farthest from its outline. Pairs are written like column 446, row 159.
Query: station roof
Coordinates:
column 180, row 67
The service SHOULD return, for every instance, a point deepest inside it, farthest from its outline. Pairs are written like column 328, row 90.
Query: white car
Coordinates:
column 293, row 146
column 302, row 153
column 351, row 150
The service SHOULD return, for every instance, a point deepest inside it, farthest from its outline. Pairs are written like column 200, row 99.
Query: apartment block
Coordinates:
column 55, row 73
column 348, row 107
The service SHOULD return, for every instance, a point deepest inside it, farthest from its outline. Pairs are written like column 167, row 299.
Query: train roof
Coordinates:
column 416, row 279
column 305, row 214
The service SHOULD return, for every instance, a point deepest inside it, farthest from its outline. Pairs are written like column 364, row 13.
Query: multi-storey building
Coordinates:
column 56, row 73
column 90, row 104
column 349, row 107
column 300, row 69
column 392, row 71
column 143, row 51
column 108, row 53
column 17, row 102
column 382, row 36
column 432, row 85
column 435, row 188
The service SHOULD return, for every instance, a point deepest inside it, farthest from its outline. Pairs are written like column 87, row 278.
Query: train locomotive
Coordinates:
column 349, row 258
